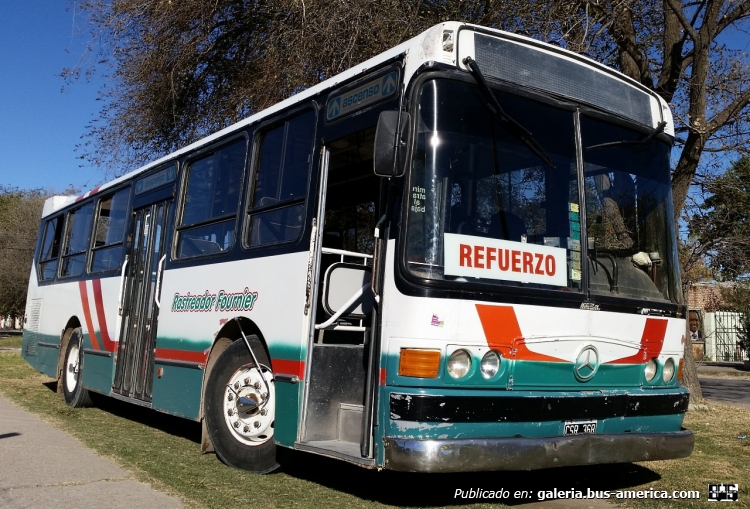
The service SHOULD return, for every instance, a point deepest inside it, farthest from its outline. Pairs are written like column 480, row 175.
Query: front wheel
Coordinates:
column 72, row 376
column 239, row 408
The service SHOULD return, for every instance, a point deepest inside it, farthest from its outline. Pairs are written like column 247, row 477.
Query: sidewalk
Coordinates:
column 43, row 467
column 717, row 368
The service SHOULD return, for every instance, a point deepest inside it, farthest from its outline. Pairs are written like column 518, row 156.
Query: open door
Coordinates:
column 140, row 302
column 337, row 374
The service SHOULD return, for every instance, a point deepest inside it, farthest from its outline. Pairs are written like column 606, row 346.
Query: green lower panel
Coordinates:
column 287, row 412
column 97, row 373
column 46, row 361
column 178, row 390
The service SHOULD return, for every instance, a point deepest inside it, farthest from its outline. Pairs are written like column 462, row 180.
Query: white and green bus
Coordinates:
column 458, row 255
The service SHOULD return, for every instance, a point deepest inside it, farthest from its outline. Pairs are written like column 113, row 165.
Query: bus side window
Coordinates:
column 77, row 231
column 277, row 211
column 109, row 231
column 211, row 201
column 50, row 248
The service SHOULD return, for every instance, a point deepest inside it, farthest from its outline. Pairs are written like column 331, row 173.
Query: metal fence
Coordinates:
column 725, row 336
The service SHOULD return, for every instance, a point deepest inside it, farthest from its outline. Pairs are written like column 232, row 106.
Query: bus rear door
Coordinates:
column 140, row 301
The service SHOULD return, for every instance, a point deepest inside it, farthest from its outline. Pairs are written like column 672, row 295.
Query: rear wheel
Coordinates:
column 72, row 376
column 239, row 408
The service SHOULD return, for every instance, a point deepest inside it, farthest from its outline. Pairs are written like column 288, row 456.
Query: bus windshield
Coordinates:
column 484, row 208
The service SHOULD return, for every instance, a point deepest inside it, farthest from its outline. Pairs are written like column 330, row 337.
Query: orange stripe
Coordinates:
column 652, row 342
column 108, row 343
column 504, row 334
column 87, row 314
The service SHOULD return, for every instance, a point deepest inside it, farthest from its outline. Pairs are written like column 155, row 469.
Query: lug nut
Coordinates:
column 246, row 381
column 236, row 385
column 257, row 385
column 236, row 424
column 264, row 412
column 256, row 424
column 246, row 429
column 230, row 397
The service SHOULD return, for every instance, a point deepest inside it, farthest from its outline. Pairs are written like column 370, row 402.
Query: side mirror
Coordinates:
column 391, row 143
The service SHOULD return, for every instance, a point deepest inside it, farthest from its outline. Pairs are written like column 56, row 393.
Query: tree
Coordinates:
column 20, row 212
column 722, row 223
column 181, row 70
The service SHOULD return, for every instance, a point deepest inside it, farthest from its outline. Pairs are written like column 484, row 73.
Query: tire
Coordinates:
column 242, row 438
column 72, row 373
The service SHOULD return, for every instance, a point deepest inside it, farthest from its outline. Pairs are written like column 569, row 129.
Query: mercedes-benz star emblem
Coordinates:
column 586, row 364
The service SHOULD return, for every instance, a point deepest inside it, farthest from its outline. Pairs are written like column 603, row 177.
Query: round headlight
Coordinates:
column 490, row 364
column 651, row 368
column 668, row 372
column 459, row 364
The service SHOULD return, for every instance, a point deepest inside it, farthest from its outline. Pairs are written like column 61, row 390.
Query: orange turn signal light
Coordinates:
column 679, row 371
column 419, row 363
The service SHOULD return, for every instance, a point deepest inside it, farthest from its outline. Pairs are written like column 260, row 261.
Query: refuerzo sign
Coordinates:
column 481, row 257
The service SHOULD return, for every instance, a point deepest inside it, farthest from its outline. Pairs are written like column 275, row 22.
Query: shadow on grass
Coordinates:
column 176, row 426
column 427, row 490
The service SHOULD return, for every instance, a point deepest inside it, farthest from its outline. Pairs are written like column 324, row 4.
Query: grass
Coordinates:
column 164, row 451
column 7, row 341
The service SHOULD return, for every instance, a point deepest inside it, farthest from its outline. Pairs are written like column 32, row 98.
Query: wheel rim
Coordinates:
column 250, row 426
column 72, row 367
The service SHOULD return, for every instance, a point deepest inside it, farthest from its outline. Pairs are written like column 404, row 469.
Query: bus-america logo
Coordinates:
column 207, row 301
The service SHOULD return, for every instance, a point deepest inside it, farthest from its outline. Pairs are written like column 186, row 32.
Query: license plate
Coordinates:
column 579, row 428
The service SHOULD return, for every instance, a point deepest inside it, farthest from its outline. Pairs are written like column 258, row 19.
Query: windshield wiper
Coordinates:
column 621, row 143
column 510, row 125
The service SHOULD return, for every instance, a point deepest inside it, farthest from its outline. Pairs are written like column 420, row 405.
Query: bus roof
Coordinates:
column 425, row 47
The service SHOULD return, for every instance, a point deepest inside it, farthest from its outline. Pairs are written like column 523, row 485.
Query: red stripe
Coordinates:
column 288, row 367
column 87, row 314
column 382, row 376
column 180, row 355
column 651, row 342
column 87, row 194
column 108, row 343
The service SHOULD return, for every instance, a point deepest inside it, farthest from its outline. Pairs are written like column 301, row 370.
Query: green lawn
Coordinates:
column 164, row 451
column 10, row 341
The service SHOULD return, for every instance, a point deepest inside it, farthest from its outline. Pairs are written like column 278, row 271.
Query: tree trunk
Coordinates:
column 690, row 371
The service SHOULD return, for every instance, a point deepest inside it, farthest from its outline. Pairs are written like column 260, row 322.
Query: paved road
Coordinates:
column 43, row 467
column 734, row 391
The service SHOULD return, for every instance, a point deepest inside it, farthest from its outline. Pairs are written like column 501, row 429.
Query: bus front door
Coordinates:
column 335, row 415
column 140, row 302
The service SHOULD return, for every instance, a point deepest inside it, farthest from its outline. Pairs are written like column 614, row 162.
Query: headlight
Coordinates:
column 651, row 368
column 668, row 372
column 459, row 364
column 490, row 364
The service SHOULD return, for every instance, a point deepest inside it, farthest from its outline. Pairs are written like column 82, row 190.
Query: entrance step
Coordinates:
column 350, row 422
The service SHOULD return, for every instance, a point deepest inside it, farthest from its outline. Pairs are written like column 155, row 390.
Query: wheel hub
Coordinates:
column 249, row 405
column 71, row 374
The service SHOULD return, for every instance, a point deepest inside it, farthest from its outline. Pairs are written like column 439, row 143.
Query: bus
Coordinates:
column 459, row 255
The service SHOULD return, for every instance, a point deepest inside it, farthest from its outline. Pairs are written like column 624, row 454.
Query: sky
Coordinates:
column 41, row 118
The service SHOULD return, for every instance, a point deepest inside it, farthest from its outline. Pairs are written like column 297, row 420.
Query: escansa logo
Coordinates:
column 389, row 84
column 334, row 108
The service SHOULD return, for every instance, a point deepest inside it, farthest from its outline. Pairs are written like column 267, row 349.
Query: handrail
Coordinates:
column 343, row 308
column 353, row 254
column 122, row 285
column 157, row 295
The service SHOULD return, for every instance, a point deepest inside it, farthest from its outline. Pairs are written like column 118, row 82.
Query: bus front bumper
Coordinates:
column 465, row 455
